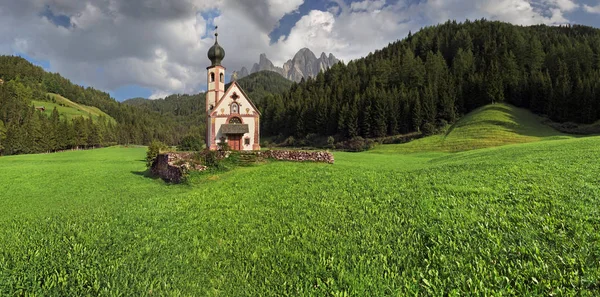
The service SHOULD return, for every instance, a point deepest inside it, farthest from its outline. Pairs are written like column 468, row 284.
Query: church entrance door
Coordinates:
column 235, row 141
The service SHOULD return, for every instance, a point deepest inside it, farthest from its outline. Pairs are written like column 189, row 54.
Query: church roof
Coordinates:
column 227, row 93
column 234, row 128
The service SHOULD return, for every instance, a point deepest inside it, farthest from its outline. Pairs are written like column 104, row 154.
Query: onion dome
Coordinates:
column 216, row 53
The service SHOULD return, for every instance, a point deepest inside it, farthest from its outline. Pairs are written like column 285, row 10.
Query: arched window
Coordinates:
column 222, row 77
column 235, row 108
column 235, row 120
column 212, row 77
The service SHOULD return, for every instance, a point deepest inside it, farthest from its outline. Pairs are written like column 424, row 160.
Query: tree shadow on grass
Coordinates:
column 146, row 173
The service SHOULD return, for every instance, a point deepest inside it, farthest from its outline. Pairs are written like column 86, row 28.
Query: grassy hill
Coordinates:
column 261, row 84
column 488, row 126
column 69, row 109
column 511, row 220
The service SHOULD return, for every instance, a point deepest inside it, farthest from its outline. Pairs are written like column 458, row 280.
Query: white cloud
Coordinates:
column 368, row 5
column 520, row 12
column 279, row 8
column 592, row 9
column 162, row 45
column 563, row 5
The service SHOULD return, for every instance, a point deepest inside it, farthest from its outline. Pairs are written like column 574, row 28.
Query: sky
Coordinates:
column 154, row 48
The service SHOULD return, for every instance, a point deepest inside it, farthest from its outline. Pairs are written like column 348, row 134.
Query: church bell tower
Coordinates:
column 216, row 75
column 216, row 86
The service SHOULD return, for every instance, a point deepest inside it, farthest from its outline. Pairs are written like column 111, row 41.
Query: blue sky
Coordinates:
column 149, row 48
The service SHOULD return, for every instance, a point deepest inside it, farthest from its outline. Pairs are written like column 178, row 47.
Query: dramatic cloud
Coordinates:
column 592, row 9
column 161, row 45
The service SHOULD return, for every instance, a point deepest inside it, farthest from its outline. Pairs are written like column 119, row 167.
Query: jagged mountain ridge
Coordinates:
column 304, row 64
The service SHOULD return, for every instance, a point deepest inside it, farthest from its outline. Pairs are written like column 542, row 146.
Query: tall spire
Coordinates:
column 216, row 53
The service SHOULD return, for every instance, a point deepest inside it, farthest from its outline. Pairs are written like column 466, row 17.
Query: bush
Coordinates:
column 155, row 148
column 224, row 146
column 330, row 142
column 211, row 159
column 428, row 129
column 267, row 144
column 311, row 139
column 215, row 159
column 190, row 143
column 290, row 141
column 356, row 144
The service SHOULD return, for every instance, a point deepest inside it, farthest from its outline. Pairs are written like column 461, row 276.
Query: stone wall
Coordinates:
column 300, row 156
column 172, row 167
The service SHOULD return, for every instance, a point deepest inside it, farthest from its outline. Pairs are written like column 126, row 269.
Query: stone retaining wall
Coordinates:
column 300, row 156
column 172, row 167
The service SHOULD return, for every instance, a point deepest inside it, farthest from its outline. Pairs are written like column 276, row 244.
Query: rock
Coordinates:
column 304, row 64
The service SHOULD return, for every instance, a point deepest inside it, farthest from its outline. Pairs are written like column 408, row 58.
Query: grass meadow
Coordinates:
column 489, row 126
column 520, row 219
column 69, row 109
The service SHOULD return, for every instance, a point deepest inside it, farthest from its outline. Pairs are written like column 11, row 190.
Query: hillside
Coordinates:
column 439, row 74
column 69, row 109
column 189, row 110
column 516, row 220
column 488, row 126
column 261, row 84
column 22, row 130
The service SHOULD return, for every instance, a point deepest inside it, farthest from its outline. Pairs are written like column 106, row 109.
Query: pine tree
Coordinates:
column 417, row 112
column 2, row 136
column 342, row 119
column 352, row 121
column 493, row 86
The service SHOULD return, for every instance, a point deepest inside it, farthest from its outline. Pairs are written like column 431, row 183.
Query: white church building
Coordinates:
column 232, row 118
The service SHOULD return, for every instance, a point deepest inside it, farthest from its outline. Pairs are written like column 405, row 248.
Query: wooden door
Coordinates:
column 235, row 142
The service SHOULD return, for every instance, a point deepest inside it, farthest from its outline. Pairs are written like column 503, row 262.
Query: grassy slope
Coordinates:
column 489, row 126
column 71, row 109
column 516, row 219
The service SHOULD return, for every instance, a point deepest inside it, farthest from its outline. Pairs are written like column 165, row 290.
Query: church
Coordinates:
column 232, row 118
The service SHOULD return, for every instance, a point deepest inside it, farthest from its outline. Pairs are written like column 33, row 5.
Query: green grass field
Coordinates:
column 70, row 109
column 519, row 219
column 489, row 126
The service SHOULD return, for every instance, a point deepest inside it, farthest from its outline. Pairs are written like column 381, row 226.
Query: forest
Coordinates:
column 419, row 84
column 430, row 79
column 24, row 130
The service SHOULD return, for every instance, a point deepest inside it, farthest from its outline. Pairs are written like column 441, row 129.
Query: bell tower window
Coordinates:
column 222, row 78
column 212, row 77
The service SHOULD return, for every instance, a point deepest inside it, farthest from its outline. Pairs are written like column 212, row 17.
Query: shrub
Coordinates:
column 190, row 143
column 267, row 144
column 155, row 148
column 311, row 139
column 209, row 158
column 290, row 141
column 330, row 142
column 224, row 146
column 428, row 129
column 356, row 144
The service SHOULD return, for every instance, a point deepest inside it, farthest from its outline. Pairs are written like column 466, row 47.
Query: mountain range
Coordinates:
column 304, row 64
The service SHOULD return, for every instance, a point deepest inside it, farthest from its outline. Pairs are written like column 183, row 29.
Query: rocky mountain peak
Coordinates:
column 304, row 64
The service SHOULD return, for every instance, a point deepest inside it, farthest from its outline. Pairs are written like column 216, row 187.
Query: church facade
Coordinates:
column 232, row 118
